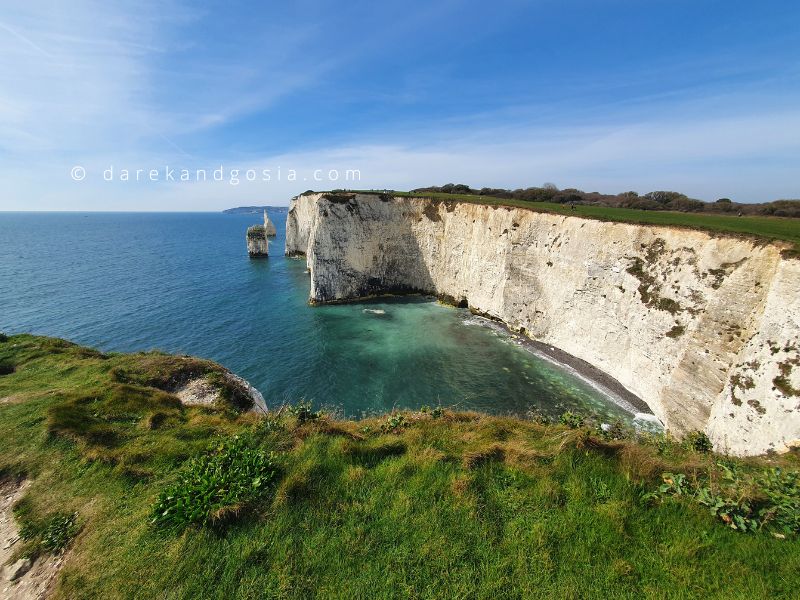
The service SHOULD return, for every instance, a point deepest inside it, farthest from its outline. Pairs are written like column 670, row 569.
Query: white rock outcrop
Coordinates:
column 269, row 226
column 703, row 327
column 257, row 243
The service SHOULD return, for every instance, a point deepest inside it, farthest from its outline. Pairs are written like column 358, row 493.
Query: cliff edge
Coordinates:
column 704, row 327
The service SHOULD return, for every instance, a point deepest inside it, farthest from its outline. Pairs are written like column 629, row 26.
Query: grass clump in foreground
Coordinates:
column 413, row 504
column 214, row 486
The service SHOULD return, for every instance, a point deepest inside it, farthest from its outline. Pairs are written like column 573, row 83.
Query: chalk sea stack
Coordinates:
column 269, row 226
column 257, row 243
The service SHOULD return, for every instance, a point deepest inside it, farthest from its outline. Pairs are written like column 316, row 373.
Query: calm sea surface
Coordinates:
column 183, row 283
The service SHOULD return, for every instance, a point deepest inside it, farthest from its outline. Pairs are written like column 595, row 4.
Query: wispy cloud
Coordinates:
column 149, row 83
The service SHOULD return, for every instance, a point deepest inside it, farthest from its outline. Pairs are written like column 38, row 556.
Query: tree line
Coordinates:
column 658, row 200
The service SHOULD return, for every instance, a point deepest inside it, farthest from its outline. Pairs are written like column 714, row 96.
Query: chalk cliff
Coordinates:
column 704, row 327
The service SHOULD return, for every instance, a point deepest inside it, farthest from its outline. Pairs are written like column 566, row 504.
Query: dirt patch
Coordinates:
column 21, row 580
column 198, row 392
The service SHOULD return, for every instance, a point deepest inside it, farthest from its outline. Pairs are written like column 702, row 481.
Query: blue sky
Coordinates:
column 609, row 95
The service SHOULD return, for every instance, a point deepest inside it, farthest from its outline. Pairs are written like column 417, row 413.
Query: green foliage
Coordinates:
column 269, row 423
column 256, row 232
column 216, row 485
column 303, row 411
column 51, row 534
column 435, row 412
column 698, row 441
column 394, row 423
column 6, row 368
column 159, row 370
column 59, row 531
column 572, row 420
column 3, row 338
column 231, row 392
column 539, row 417
column 746, row 502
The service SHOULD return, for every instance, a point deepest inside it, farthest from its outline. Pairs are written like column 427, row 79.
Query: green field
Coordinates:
column 767, row 228
column 432, row 504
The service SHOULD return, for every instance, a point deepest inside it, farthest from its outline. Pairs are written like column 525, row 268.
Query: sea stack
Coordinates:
column 257, row 243
column 269, row 226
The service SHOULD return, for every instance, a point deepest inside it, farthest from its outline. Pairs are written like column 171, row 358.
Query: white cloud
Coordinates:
column 88, row 83
column 705, row 158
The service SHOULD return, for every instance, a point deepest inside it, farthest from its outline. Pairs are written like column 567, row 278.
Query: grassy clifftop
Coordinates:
column 781, row 229
column 209, row 502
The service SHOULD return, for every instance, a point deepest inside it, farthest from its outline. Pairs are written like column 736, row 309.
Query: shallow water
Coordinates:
column 183, row 283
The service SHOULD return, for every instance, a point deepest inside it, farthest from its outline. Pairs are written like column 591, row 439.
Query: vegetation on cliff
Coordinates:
column 256, row 232
column 659, row 200
column 768, row 228
column 151, row 498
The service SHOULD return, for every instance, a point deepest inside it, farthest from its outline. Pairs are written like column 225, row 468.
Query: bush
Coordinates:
column 766, row 500
column 303, row 412
column 216, row 485
column 6, row 368
column 572, row 420
column 435, row 412
column 394, row 422
column 3, row 337
column 699, row 442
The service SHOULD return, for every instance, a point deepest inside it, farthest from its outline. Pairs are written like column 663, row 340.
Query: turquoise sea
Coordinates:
column 183, row 283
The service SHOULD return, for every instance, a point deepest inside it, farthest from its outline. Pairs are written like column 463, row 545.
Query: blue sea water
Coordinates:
column 183, row 283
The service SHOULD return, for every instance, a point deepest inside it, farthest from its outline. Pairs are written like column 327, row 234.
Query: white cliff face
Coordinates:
column 704, row 328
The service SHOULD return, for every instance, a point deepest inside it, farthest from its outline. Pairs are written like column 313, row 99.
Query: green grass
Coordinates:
column 765, row 228
column 430, row 505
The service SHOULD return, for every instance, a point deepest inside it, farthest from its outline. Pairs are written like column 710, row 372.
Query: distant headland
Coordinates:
column 248, row 210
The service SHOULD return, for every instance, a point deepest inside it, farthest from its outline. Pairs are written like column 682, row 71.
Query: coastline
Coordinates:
column 587, row 372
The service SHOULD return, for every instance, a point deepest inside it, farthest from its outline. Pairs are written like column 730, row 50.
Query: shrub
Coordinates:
column 435, row 412
column 782, row 491
column 394, row 423
column 303, row 412
column 6, row 368
column 698, row 441
column 572, row 420
column 766, row 500
column 216, row 485
column 231, row 391
column 3, row 337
